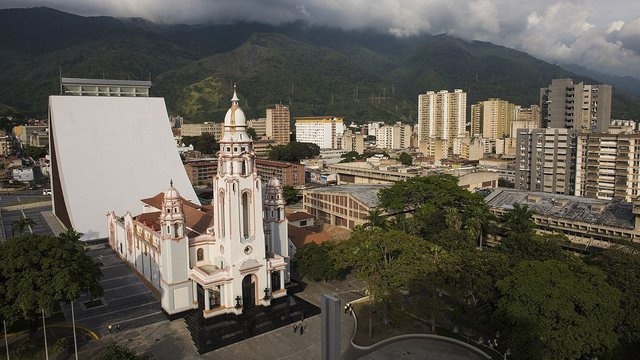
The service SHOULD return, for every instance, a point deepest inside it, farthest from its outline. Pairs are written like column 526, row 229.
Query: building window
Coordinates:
column 200, row 254
column 245, row 214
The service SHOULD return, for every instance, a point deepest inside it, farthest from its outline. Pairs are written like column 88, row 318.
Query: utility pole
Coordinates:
column 6, row 341
column 44, row 330
column 75, row 340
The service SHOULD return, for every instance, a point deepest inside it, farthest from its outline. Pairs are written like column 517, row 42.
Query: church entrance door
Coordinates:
column 248, row 292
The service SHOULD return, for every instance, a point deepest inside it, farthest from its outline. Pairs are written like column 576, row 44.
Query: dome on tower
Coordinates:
column 273, row 182
column 235, row 115
column 171, row 193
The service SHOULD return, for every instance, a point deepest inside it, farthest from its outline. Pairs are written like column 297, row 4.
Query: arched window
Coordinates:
column 200, row 254
column 244, row 167
column 177, row 228
column 245, row 214
column 222, row 211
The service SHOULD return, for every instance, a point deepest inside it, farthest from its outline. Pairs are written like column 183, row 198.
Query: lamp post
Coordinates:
column 73, row 322
column 6, row 341
column 238, row 298
column 44, row 331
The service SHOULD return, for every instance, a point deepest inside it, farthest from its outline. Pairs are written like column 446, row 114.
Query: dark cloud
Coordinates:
column 597, row 34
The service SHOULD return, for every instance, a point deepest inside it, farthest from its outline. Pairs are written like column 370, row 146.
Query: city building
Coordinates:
column 201, row 171
column 324, row 131
column 278, row 124
column 217, row 129
column 104, row 87
column 259, row 125
column 531, row 113
column 25, row 132
column 342, row 205
column 226, row 259
column 352, row 142
column 491, row 119
column 608, row 166
column 396, row 136
column 564, row 104
column 123, row 148
column 262, row 148
column 288, row 174
column 6, row 144
column 586, row 222
column 442, row 115
column 300, row 219
column 372, row 127
column 545, row 160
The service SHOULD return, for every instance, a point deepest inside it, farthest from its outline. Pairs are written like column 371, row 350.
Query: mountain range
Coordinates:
column 363, row 75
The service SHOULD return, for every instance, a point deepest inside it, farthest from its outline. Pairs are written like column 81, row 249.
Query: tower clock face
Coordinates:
column 248, row 249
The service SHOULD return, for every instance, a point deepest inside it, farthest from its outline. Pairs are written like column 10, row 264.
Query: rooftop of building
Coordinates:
column 275, row 163
column 615, row 213
column 197, row 218
column 299, row 215
column 366, row 194
column 301, row 236
column 110, row 82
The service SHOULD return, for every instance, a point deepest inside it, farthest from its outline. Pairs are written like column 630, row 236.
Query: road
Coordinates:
column 7, row 218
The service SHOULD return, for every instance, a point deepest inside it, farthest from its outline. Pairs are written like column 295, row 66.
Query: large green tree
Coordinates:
column 205, row 143
column 552, row 310
column 39, row 271
column 290, row 194
column 317, row 262
column 405, row 159
column 622, row 268
column 387, row 261
column 294, row 152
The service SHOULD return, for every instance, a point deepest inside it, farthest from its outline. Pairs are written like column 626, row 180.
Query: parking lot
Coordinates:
column 126, row 300
column 8, row 218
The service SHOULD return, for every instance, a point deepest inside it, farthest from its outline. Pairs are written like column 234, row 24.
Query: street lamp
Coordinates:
column 238, row 298
column 6, row 341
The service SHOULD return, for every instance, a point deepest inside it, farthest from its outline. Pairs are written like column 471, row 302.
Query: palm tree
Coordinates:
column 452, row 218
column 518, row 221
column 480, row 224
column 20, row 225
column 375, row 219
column 71, row 235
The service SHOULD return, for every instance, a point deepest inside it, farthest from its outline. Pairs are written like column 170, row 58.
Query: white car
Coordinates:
column 46, row 192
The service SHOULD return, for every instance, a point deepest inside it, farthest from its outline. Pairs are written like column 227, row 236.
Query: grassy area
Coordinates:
column 34, row 349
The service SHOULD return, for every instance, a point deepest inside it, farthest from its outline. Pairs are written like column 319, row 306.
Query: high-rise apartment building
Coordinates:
column 442, row 115
column 492, row 119
column 352, row 142
column 324, row 131
column 545, row 160
column 278, row 124
column 608, row 166
column 576, row 106
column 396, row 136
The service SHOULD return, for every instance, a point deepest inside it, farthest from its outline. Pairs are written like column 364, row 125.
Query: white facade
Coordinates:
column 223, row 259
column 91, row 139
column 326, row 132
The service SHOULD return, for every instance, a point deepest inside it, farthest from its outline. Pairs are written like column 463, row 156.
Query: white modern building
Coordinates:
column 222, row 259
column 106, row 153
column 324, row 131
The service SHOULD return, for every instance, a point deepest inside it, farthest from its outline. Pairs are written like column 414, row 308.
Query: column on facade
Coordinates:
column 194, row 290
column 206, row 299
column 282, row 279
column 222, row 295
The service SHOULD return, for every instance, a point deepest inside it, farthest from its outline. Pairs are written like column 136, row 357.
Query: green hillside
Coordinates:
column 362, row 75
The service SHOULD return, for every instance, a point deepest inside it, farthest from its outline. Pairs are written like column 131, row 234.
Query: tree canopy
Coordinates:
column 294, row 152
column 205, row 143
column 290, row 194
column 39, row 271
column 406, row 159
column 317, row 262
column 555, row 311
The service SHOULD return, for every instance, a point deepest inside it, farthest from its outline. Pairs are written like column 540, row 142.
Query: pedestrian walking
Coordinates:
column 295, row 328
column 117, row 327
column 301, row 329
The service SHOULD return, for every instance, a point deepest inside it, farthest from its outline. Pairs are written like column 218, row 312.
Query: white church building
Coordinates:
column 223, row 258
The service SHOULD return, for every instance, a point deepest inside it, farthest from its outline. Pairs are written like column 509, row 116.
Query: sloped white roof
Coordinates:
column 111, row 152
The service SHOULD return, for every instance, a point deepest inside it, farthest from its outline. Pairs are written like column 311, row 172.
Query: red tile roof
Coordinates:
column 197, row 218
column 299, row 215
column 300, row 236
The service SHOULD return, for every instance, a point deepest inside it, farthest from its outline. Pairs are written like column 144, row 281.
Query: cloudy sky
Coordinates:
column 600, row 34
